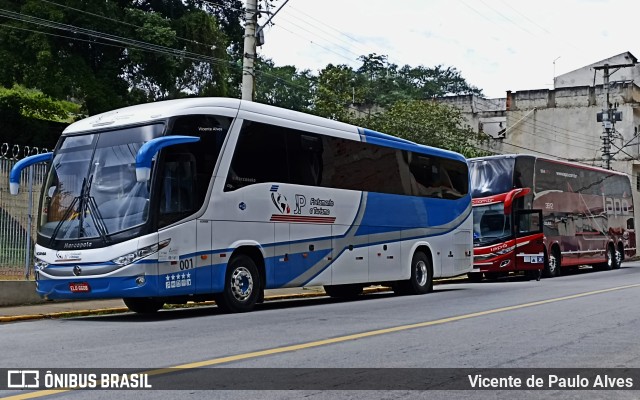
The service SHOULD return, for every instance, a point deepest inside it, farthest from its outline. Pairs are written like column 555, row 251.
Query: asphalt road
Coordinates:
column 588, row 319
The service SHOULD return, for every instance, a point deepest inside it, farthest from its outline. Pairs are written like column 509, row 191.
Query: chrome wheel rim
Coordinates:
column 552, row 264
column 241, row 283
column 421, row 273
column 618, row 257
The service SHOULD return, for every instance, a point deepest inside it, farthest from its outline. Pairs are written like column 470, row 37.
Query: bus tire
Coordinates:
column 551, row 263
column 421, row 280
column 611, row 259
column 474, row 277
column 343, row 291
column 242, row 285
column 619, row 256
column 143, row 305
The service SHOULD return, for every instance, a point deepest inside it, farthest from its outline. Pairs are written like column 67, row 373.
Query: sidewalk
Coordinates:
column 61, row 309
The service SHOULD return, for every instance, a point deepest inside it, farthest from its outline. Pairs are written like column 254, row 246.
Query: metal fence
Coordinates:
column 17, row 221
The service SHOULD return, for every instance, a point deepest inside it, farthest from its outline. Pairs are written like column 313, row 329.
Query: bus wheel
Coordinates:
column 474, row 277
column 611, row 259
column 619, row 256
column 421, row 280
column 343, row 291
column 552, row 264
column 143, row 305
column 241, row 287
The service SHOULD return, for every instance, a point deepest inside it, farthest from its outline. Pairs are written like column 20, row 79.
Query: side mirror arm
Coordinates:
column 14, row 175
column 151, row 148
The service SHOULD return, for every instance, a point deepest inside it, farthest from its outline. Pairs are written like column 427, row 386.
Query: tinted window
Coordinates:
column 260, row 156
column 267, row 153
column 567, row 178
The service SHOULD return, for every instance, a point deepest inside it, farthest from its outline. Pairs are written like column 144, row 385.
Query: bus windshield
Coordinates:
column 491, row 176
column 91, row 190
column 490, row 224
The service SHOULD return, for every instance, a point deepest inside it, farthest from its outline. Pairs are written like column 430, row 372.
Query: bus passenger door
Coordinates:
column 203, row 257
column 529, row 240
column 178, row 261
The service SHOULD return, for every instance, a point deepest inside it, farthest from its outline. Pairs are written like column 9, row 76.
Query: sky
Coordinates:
column 496, row 45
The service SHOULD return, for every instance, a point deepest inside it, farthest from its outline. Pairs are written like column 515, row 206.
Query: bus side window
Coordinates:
column 305, row 158
column 260, row 156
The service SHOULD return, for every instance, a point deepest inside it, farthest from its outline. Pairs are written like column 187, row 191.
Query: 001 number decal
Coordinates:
column 186, row 264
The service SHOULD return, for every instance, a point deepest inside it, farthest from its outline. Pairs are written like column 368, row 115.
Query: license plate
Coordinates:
column 534, row 259
column 79, row 287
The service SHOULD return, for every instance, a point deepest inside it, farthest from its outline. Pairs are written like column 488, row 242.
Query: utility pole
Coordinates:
column 609, row 114
column 249, row 52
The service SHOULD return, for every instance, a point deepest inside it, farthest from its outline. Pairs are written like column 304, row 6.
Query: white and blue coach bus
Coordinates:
column 215, row 198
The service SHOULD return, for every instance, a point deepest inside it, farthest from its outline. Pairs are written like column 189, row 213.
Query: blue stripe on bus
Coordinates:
column 297, row 264
column 390, row 212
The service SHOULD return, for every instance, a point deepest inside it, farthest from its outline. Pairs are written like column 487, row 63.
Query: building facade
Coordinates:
column 563, row 122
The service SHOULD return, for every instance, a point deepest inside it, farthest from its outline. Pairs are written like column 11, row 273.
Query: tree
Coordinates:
column 425, row 122
column 29, row 115
column 378, row 84
column 284, row 87
column 427, row 83
column 334, row 92
column 112, row 53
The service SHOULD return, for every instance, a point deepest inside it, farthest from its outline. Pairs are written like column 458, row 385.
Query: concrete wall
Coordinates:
column 14, row 293
column 587, row 76
column 482, row 115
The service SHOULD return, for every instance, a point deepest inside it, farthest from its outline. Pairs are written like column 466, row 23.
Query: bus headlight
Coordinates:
column 39, row 264
column 140, row 253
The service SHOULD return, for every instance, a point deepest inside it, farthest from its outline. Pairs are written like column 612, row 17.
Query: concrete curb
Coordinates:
column 118, row 310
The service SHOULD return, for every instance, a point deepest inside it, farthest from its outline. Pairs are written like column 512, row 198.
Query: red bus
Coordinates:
column 543, row 216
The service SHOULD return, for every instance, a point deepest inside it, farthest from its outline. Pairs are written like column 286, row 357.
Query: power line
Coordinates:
column 307, row 19
column 114, row 20
column 112, row 38
column 577, row 136
column 307, row 30
column 507, row 18
column 319, row 45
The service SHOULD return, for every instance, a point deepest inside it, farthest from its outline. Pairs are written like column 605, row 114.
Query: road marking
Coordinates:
column 339, row 339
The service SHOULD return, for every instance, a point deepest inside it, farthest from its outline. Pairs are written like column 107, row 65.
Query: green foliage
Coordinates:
column 112, row 53
column 425, row 122
column 334, row 92
column 285, row 87
column 31, row 118
column 19, row 101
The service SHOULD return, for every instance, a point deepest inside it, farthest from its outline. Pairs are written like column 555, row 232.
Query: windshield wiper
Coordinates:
column 85, row 202
column 89, row 203
column 64, row 218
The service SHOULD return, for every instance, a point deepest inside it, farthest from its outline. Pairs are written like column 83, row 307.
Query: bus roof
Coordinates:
column 160, row 110
column 549, row 159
